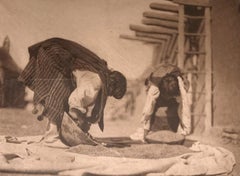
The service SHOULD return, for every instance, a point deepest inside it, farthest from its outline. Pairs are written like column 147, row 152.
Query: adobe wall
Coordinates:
column 226, row 61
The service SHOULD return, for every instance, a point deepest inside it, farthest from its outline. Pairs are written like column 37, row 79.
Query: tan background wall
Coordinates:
column 226, row 61
column 95, row 24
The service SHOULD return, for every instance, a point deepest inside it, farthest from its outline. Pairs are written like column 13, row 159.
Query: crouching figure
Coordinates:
column 68, row 78
column 165, row 87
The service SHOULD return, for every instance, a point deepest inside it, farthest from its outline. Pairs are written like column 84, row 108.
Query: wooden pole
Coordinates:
column 152, row 29
column 158, row 22
column 2, row 91
column 208, row 69
column 162, row 16
column 160, row 53
column 180, row 56
column 142, row 39
column 170, row 44
column 164, row 7
column 173, row 58
column 202, row 38
column 164, row 49
column 156, row 54
column 152, row 35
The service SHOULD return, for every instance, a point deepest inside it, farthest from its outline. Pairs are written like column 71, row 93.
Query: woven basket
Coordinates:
column 72, row 135
column 165, row 137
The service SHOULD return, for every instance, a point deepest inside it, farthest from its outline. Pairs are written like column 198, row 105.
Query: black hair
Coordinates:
column 169, row 86
column 117, row 85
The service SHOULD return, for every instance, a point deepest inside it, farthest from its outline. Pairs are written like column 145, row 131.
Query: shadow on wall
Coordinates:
column 12, row 92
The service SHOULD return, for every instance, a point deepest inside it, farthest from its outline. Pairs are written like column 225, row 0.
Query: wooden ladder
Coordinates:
column 195, row 57
column 180, row 32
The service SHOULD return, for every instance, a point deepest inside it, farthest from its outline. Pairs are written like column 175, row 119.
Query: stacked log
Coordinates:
column 161, row 15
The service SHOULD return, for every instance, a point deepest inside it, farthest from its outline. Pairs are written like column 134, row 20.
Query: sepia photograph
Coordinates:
column 119, row 87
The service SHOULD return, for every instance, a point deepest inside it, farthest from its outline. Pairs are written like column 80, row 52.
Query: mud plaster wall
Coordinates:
column 226, row 61
column 96, row 24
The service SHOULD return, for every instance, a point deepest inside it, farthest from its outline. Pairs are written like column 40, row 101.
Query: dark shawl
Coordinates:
column 49, row 74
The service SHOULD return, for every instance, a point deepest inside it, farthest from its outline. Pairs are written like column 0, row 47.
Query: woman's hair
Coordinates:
column 169, row 86
column 117, row 85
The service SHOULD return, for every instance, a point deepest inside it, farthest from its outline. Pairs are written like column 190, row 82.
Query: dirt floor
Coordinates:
column 17, row 122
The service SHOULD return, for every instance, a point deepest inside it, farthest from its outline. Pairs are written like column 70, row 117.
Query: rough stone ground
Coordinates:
column 17, row 122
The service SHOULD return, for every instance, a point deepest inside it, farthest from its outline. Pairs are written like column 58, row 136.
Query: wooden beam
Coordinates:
column 142, row 39
column 165, row 45
column 162, row 16
column 173, row 59
column 181, row 37
column 173, row 56
column 156, row 54
column 201, row 42
column 152, row 35
column 158, row 22
column 2, row 92
column 204, row 3
column 164, row 52
column 152, row 29
column 164, row 7
column 208, row 69
column 171, row 44
column 168, row 43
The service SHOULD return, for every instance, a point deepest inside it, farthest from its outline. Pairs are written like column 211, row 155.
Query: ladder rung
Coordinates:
column 197, row 92
column 197, row 72
column 198, row 114
column 195, row 52
column 194, row 17
column 194, row 34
